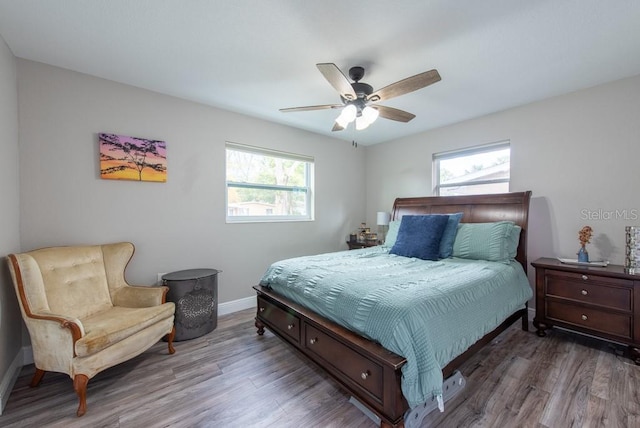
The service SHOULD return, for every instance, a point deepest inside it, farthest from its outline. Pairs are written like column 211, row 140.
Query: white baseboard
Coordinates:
column 10, row 377
column 237, row 305
column 27, row 355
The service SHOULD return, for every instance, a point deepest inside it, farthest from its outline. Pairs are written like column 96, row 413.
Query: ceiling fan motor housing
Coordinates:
column 362, row 90
column 356, row 73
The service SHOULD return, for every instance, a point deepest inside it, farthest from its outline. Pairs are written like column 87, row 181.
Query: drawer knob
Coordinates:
column 585, row 277
column 261, row 309
column 364, row 375
column 585, row 292
column 584, row 317
column 290, row 326
column 312, row 341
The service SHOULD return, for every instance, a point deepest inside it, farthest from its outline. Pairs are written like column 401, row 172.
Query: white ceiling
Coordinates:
column 256, row 56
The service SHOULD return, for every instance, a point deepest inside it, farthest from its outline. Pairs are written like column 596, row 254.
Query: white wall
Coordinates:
column 10, row 319
column 579, row 154
column 179, row 224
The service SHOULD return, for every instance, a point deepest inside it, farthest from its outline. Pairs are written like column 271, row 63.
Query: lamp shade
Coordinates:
column 383, row 218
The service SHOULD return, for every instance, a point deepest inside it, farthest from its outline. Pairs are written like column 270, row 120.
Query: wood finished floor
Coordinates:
column 232, row 377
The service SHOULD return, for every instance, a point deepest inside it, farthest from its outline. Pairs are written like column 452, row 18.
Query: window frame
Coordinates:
column 470, row 151
column 307, row 188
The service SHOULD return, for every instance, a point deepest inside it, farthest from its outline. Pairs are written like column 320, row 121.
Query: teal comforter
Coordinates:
column 428, row 312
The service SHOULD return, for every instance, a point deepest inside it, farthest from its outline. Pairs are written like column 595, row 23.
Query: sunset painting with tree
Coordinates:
column 130, row 158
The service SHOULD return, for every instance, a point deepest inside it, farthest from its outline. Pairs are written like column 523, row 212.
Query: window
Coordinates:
column 473, row 171
column 267, row 185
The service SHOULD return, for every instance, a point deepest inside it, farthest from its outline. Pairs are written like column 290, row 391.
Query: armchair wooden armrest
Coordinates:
column 73, row 324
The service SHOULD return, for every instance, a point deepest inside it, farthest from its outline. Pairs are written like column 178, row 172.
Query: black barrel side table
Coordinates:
column 195, row 293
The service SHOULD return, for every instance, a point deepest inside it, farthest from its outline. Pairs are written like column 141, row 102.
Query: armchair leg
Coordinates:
column 170, row 338
column 37, row 378
column 80, row 385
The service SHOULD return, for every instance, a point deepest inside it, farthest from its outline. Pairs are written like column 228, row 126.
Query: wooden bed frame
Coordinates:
column 365, row 369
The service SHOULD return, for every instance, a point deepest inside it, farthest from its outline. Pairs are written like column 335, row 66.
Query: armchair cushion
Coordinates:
column 117, row 323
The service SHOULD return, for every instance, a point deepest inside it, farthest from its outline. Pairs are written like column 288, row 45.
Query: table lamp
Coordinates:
column 383, row 219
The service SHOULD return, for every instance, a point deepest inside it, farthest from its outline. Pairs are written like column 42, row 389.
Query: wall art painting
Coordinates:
column 131, row 158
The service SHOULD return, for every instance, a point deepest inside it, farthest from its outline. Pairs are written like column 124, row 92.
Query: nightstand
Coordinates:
column 358, row 245
column 600, row 301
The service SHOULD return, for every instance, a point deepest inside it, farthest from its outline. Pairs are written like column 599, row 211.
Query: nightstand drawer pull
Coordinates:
column 585, row 277
column 290, row 326
column 261, row 309
column 312, row 341
column 584, row 317
column 584, row 292
column 364, row 375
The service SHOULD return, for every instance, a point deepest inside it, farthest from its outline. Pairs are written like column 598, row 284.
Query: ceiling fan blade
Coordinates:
column 405, row 86
column 394, row 113
column 338, row 80
column 308, row 108
column 337, row 127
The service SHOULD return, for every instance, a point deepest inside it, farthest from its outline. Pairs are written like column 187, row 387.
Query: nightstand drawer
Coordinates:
column 592, row 290
column 279, row 319
column 359, row 369
column 589, row 318
column 585, row 277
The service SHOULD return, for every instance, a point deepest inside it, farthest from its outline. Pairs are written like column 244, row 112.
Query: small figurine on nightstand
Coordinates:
column 585, row 237
column 362, row 232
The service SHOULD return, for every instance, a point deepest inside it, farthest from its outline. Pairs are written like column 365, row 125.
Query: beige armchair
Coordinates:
column 82, row 315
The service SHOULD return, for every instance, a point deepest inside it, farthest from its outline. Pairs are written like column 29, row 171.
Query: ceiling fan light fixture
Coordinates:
column 366, row 118
column 362, row 123
column 347, row 116
column 370, row 114
column 340, row 121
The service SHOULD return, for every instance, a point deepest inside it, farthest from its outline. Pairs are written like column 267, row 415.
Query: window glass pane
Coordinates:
column 481, row 166
column 265, row 202
column 246, row 167
column 478, row 189
column 477, row 170
column 264, row 185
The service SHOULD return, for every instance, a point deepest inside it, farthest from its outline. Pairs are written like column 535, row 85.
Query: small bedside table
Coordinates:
column 600, row 301
column 358, row 245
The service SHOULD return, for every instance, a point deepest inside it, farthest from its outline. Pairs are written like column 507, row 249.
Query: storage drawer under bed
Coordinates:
column 359, row 369
column 285, row 322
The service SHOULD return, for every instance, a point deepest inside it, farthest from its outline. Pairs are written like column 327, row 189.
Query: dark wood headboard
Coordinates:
column 476, row 209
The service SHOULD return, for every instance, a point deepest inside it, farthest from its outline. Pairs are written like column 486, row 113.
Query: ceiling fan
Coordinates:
column 359, row 99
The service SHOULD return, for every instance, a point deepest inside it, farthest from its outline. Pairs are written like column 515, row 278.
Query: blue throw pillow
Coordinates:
column 449, row 235
column 419, row 236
